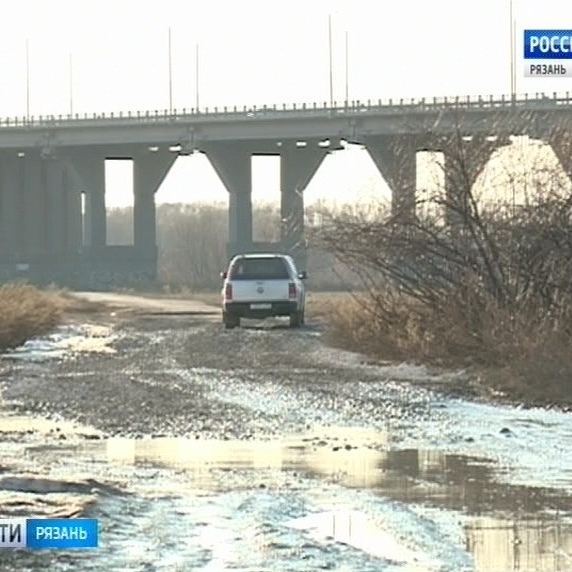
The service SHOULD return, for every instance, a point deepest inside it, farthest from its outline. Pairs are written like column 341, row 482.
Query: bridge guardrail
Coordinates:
column 323, row 109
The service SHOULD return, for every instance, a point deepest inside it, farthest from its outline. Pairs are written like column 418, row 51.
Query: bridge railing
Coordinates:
column 321, row 109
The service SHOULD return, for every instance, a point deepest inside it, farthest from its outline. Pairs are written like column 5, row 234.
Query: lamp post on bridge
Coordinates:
column 197, row 76
column 27, row 79
column 330, row 57
column 347, row 71
column 71, row 84
column 331, row 63
column 512, row 36
column 170, row 75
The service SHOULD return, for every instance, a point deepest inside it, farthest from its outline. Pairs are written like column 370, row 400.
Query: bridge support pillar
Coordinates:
column 297, row 167
column 395, row 156
column 56, row 207
column 61, row 203
column 90, row 170
column 71, row 214
column 233, row 164
column 39, row 219
column 12, row 219
column 464, row 162
column 149, row 171
column 33, row 196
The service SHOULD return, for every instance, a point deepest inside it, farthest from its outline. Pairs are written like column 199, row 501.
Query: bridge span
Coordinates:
column 47, row 163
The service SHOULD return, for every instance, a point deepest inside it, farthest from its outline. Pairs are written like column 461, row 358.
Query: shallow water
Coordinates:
column 64, row 342
column 304, row 503
column 433, row 483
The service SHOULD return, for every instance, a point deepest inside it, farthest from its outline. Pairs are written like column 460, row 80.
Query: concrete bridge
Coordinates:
column 47, row 163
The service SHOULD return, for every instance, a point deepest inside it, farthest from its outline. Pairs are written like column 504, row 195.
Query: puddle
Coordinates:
column 65, row 340
column 353, row 528
column 460, row 485
column 542, row 545
column 320, row 495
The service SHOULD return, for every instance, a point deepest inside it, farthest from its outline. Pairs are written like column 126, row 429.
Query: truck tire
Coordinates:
column 296, row 319
column 230, row 322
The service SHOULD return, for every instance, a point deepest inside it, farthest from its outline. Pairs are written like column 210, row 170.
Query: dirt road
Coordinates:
column 149, row 305
column 262, row 449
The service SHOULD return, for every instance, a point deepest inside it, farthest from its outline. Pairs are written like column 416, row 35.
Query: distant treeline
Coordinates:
column 192, row 241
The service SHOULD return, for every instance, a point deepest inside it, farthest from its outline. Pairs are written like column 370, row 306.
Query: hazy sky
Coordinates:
column 255, row 53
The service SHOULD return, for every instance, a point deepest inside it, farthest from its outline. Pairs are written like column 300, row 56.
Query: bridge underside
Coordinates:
column 53, row 214
column 46, row 238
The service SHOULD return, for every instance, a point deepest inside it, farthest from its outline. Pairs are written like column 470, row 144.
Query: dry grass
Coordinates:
column 525, row 361
column 351, row 325
column 321, row 305
column 26, row 312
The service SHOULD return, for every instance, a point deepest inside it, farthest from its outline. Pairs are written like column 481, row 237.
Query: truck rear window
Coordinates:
column 259, row 269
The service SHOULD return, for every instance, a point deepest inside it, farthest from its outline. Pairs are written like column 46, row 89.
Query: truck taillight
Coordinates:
column 228, row 292
column 291, row 290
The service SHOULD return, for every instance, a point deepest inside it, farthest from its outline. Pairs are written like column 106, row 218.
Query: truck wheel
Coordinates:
column 296, row 319
column 230, row 322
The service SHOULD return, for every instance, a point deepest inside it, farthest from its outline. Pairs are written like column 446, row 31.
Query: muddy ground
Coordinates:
column 185, row 438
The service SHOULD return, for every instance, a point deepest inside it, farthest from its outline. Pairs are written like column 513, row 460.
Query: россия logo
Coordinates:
column 545, row 52
column 548, row 44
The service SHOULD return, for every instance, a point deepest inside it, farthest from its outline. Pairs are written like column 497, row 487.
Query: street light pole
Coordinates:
column 512, row 64
column 170, row 75
column 197, row 74
column 27, row 79
column 514, row 51
column 347, row 69
column 330, row 54
column 71, row 84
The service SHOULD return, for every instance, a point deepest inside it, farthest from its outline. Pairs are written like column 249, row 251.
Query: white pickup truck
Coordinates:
column 261, row 286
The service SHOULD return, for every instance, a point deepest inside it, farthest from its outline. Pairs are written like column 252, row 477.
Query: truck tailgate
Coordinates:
column 259, row 290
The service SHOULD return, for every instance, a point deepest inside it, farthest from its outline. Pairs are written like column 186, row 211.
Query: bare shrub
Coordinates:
column 463, row 279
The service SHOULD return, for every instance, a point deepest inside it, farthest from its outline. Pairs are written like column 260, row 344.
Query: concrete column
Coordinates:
column 34, row 192
column 12, row 219
column 395, row 156
column 34, row 214
column 31, row 226
column 233, row 164
column 297, row 167
column 55, row 206
column 89, row 168
column 464, row 162
column 71, row 213
column 149, row 170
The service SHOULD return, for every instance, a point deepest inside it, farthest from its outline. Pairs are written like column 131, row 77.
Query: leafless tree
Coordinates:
column 462, row 256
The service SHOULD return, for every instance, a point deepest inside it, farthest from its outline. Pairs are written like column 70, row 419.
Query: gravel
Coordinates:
column 181, row 376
